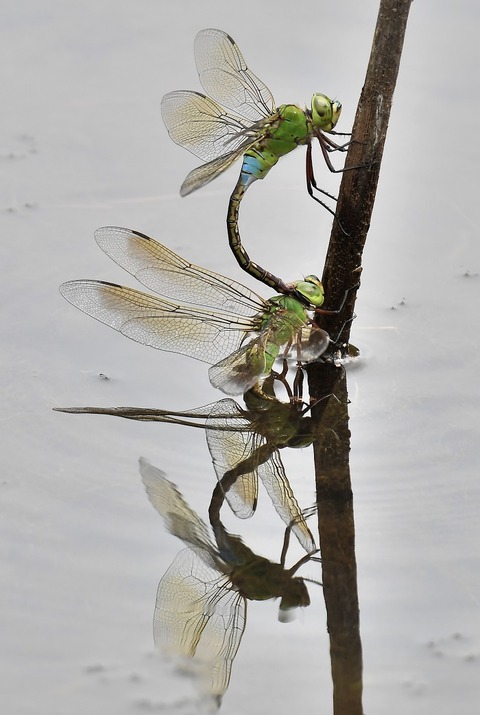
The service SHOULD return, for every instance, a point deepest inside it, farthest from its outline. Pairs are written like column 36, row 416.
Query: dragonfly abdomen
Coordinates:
column 257, row 162
column 278, row 137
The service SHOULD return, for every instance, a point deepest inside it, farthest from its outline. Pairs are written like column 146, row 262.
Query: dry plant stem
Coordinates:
column 359, row 186
column 332, row 436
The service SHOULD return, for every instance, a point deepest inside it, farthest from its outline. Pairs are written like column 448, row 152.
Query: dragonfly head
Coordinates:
column 295, row 596
column 311, row 288
column 325, row 112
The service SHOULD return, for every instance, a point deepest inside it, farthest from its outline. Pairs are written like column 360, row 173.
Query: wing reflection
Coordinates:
column 244, row 445
column 200, row 610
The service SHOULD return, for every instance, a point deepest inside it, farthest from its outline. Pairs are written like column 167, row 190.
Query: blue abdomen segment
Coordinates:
column 256, row 165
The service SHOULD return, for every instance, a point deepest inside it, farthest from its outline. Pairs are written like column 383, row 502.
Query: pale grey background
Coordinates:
column 82, row 145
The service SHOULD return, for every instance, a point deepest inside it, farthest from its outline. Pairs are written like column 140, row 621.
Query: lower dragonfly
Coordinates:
column 224, row 323
column 200, row 610
column 244, row 445
column 239, row 118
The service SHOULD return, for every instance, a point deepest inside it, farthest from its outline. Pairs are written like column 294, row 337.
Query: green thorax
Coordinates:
column 281, row 134
column 284, row 318
column 289, row 129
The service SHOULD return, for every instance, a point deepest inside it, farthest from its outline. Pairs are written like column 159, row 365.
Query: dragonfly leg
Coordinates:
column 340, row 134
column 307, row 513
column 326, row 145
column 312, row 183
column 303, row 560
column 286, row 542
column 282, row 377
column 333, row 146
column 325, row 311
column 298, row 385
column 334, row 341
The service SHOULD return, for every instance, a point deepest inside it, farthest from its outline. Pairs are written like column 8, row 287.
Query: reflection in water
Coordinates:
column 244, row 445
column 337, row 537
column 202, row 596
column 200, row 610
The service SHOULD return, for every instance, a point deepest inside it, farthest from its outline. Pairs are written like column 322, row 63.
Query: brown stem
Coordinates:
column 359, row 186
column 332, row 437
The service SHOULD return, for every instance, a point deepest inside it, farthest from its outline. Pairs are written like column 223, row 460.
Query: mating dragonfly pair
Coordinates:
column 239, row 118
column 204, row 315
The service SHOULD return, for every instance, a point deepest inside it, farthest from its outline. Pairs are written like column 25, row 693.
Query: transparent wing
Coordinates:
column 200, row 125
column 163, row 271
column 197, row 333
column 233, row 452
column 196, row 417
column 204, row 174
column 310, row 344
column 200, row 616
column 225, row 76
column 274, row 479
column 179, row 518
column 242, row 369
column 239, row 458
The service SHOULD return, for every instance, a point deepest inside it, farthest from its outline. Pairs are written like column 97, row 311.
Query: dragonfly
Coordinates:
column 222, row 322
column 237, row 117
column 201, row 602
column 244, row 446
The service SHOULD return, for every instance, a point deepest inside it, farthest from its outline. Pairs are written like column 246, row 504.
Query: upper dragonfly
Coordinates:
column 239, row 118
column 217, row 324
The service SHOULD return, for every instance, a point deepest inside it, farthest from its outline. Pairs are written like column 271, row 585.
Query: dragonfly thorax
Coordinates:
column 325, row 112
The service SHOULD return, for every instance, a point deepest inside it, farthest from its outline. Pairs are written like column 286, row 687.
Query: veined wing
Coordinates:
column 242, row 369
column 197, row 612
column 179, row 518
column 274, row 479
column 197, row 333
column 235, row 454
column 199, row 615
column 200, row 125
column 196, row 417
column 239, row 459
column 163, row 271
column 204, row 174
column 312, row 342
column 225, row 76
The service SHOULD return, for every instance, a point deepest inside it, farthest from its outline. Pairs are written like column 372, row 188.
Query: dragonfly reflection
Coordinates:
column 244, row 445
column 200, row 610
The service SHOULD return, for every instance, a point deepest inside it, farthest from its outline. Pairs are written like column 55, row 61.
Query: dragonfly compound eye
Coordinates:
column 325, row 113
column 311, row 287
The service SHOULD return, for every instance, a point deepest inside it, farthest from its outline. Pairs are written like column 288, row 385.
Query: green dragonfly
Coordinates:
column 224, row 323
column 244, row 445
column 200, row 610
column 239, row 118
